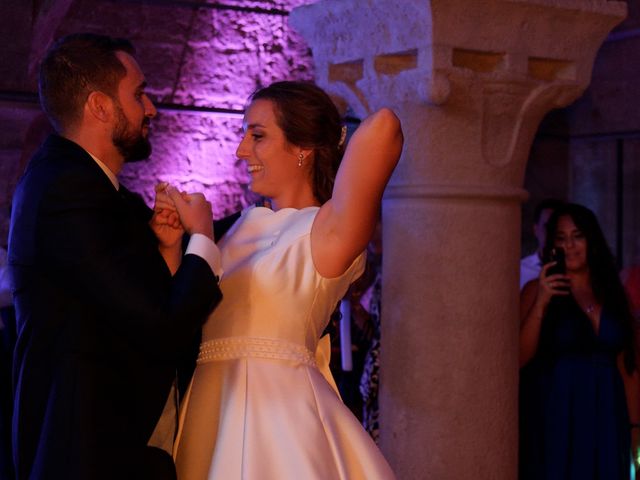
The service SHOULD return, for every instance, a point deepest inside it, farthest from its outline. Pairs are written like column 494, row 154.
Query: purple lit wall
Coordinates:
column 202, row 59
column 212, row 59
column 196, row 152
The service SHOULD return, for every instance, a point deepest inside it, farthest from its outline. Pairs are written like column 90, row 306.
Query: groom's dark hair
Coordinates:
column 75, row 66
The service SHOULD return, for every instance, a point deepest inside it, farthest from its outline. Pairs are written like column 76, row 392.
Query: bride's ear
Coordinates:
column 306, row 153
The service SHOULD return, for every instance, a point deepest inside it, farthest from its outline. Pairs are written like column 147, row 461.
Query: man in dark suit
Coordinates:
column 101, row 319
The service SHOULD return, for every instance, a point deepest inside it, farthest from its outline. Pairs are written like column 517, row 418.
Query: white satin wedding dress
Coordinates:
column 262, row 404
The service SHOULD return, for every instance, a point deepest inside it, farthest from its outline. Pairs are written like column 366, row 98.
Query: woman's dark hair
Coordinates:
column 309, row 119
column 75, row 66
column 605, row 280
column 546, row 204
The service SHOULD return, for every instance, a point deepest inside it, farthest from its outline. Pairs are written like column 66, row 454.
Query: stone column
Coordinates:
column 470, row 81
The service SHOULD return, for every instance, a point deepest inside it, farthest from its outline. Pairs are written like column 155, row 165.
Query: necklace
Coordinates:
column 590, row 308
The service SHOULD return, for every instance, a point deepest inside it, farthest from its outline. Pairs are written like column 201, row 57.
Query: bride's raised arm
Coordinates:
column 346, row 222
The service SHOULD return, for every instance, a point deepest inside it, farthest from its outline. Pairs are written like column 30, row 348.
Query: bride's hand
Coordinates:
column 163, row 200
column 165, row 222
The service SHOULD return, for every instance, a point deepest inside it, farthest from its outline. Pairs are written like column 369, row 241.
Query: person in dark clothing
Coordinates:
column 577, row 358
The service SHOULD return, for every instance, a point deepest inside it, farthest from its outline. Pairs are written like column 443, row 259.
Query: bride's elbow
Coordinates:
column 386, row 124
column 387, row 119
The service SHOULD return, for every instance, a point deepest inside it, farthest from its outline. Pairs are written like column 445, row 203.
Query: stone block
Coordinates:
column 231, row 53
column 15, row 36
column 612, row 102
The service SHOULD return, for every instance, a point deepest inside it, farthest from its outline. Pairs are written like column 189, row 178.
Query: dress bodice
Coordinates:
column 567, row 331
column 271, row 288
column 262, row 404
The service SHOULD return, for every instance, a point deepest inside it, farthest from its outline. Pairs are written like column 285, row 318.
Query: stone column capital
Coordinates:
column 373, row 52
column 472, row 78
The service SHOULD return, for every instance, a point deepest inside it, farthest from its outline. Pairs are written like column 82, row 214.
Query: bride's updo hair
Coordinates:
column 309, row 119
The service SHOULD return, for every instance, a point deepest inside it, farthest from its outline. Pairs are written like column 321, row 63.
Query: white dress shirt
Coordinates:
column 529, row 268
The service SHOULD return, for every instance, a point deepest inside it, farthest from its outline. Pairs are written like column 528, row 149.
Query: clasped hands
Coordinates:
column 176, row 212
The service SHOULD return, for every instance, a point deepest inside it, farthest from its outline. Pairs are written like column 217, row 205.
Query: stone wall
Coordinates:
column 201, row 60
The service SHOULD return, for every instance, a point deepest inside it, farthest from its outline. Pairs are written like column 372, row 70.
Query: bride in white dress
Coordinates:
column 262, row 404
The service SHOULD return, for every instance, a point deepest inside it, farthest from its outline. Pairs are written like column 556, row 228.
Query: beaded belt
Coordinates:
column 243, row 347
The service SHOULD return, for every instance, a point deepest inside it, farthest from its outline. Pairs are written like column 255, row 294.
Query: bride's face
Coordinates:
column 271, row 160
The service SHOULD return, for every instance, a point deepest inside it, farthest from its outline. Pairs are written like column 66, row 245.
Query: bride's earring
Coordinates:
column 300, row 157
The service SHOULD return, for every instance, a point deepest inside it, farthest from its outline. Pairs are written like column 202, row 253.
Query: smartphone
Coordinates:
column 557, row 255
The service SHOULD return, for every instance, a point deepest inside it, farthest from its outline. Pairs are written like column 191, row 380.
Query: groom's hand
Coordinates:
column 167, row 227
column 194, row 211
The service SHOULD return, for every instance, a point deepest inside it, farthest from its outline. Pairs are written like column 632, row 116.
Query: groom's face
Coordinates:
column 132, row 141
column 133, row 111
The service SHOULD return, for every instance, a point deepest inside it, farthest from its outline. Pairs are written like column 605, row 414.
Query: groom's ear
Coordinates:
column 99, row 106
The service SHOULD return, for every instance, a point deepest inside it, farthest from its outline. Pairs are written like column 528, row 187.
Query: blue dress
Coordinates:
column 573, row 412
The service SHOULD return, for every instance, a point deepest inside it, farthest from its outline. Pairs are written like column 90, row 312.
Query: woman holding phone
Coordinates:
column 576, row 358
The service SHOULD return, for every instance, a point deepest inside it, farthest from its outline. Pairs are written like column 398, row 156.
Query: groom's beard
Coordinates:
column 130, row 142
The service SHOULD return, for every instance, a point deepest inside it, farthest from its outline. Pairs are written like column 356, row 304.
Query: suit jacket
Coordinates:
column 101, row 322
